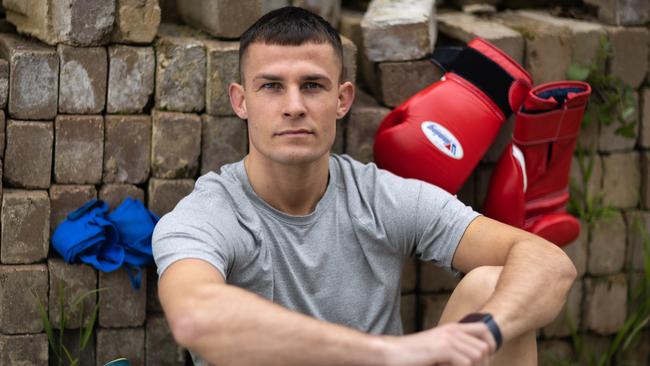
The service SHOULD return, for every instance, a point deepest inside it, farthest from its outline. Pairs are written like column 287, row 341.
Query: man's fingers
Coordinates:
column 481, row 331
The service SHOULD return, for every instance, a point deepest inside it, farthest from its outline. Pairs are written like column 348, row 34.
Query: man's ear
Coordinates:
column 237, row 100
column 346, row 97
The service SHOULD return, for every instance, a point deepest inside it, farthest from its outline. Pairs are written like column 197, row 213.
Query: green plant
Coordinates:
column 55, row 336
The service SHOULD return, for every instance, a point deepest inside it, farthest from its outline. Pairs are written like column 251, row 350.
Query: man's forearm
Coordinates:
column 536, row 278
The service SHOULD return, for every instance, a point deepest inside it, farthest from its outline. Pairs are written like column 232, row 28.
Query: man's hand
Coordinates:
column 450, row 344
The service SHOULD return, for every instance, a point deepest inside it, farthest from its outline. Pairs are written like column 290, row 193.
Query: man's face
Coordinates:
column 291, row 97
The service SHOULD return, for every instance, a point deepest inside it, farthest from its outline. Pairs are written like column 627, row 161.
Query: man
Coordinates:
column 293, row 256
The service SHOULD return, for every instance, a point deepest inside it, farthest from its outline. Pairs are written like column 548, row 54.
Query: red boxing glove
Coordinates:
column 441, row 133
column 529, row 185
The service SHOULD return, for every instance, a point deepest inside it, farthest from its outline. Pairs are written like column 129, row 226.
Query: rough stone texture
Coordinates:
column 589, row 135
column 584, row 36
column 136, row 21
column 160, row 347
column 644, row 128
column 223, row 69
column 605, row 305
column 607, row 246
column 436, row 279
column 65, row 199
column 71, row 341
column 169, row 11
column 153, row 302
column 548, row 48
column 349, row 60
column 25, row 226
column 115, row 194
column 645, row 171
column 609, row 141
column 350, row 28
column 408, row 310
column 223, row 140
column 577, row 250
column 18, row 308
column 596, row 344
column 130, row 78
column 3, row 128
column 553, row 351
column 119, row 304
column 4, row 83
column 78, row 149
column 363, row 121
column 74, row 280
column 637, row 222
column 164, row 194
column 621, row 179
column 399, row 81
column 569, row 317
column 409, row 275
column 180, row 70
column 639, row 353
column 225, row 18
column 328, row 9
column 594, row 184
column 175, row 145
column 622, row 12
column 82, row 82
column 432, row 307
column 117, row 343
column 465, row 27
column 127, row 149
column 33, row 78
column 629, row 63
column 23, row 350
column 399, row 31
column 73, row 22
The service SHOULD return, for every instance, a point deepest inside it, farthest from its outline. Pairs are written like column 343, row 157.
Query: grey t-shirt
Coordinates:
column 341, row 263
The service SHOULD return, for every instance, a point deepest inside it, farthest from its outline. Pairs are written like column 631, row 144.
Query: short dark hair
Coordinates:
column 290, row 26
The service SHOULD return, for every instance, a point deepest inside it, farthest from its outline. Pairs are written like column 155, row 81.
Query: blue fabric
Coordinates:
column 108, row 241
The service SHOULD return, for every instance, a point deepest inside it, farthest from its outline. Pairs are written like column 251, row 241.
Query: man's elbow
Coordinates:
column 185, row 328
column 564, row 268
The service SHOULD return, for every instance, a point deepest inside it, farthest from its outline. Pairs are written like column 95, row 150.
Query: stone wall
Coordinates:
column 100, row 100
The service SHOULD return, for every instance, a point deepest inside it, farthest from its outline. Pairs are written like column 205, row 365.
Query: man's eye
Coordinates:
column 271, row 86
column 312, row 85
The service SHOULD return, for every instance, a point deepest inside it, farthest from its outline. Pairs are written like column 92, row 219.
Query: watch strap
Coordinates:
column 488, row 320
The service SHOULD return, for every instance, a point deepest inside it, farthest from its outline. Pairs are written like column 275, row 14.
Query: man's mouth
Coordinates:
column 298, row 132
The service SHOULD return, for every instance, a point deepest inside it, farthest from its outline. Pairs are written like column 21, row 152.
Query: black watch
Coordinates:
column 489, row 321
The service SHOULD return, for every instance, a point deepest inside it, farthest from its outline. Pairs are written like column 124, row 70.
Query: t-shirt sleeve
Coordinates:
column 191, row 230
column 440, row 222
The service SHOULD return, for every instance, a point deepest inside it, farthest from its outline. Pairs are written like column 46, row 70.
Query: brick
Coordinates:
column 18, row 308
column 409, row 275
column 639, row 353
column 169, row 12
column 362, row 124
column 607, row 246
column 71, row 341
column 432, row 307
column 175, row 146
column 596, row 344
column 594, row 183
column 338, row 147
column 621, row 179
column 630, row 64
column 396, row 31
column 223, row 140
column 73, row 22
column 180, row 70
column 164, row 194
column 464, row 27
column 330, row 10
column 4, row 83
column 222, row 18
column 25, row 226
column 82, row 82
column 33, row 78
column 436, row 279
column 638, row 223
column 645, row 172
column 548, row 48
column 408, row 312
column 136, row 21
column 23, row 350
column 589, row 135
column 153, row 302
column 115, row 194
column 349, row 60
column 605, row 303
column 127, row 149
column 65, row 199
column 644, row 128
column 119, row 304
column 622, row 12
column 160, row 347
column 569, row 316
column 350, row 28
column 3, row 128
column 609, row 141
column 552, row 352
column 74, row 280
column 222, row 69
column 118, row 343
column 584, row 36
column 398, row 81
column 577, row 250
column 130, row 78
column 78, row 149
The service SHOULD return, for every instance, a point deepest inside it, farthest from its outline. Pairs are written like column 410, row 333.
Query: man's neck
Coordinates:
column 292, row 189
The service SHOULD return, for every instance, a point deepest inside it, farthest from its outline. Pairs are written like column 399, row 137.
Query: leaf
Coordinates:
column 578, row 72
column 628, row 113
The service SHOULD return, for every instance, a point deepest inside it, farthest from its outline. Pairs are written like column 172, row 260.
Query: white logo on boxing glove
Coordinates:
column 442, row 139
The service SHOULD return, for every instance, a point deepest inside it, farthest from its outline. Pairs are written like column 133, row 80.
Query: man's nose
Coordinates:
column 294, row 106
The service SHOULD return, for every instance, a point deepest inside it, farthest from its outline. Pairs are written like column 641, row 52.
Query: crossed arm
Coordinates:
column 230, row 326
